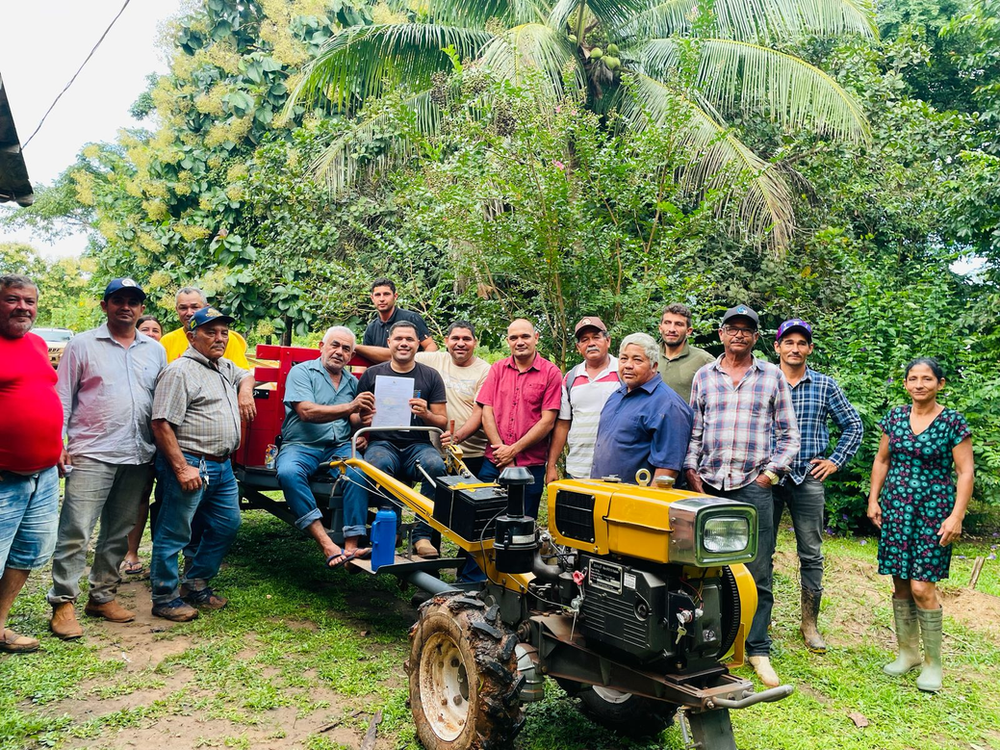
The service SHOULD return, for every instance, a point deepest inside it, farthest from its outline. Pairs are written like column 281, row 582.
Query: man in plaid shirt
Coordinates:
column 744, row 438
column 817, row 399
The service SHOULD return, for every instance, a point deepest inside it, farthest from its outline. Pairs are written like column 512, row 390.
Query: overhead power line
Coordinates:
column 54, row 101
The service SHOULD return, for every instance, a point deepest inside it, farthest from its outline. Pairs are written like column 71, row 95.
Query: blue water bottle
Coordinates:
column 383, row 538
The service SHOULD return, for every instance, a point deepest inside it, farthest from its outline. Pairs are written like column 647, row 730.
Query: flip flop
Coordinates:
column 134, row 568
column 340, row 560
column 13, row 643
column 362, row 554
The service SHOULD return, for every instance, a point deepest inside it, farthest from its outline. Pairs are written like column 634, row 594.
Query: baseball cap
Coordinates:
column 116, row 285
column 590, row 322
column 741, row 311
column 208, row 315
column 795, row 324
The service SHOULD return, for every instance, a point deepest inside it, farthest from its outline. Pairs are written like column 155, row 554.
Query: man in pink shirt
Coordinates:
column 520, row 399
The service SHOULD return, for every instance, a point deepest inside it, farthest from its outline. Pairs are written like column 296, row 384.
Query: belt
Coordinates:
column 208, row 457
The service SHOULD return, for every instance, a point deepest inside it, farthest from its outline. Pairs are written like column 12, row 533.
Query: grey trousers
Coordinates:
column 806, row 503
column 95, row 491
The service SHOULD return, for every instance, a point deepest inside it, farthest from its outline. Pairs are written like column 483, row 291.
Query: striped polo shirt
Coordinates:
column 583, row 398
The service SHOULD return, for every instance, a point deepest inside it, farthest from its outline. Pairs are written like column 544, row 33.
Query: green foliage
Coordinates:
column 714, row 62
column 66, row 297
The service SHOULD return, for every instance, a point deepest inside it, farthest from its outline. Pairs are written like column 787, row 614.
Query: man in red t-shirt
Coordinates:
column 520, row 399
column 30, row 446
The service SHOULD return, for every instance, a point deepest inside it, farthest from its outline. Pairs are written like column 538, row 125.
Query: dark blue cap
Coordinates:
column 741, row 311
column 125, row 282
column 208, row 315
column 795, row 324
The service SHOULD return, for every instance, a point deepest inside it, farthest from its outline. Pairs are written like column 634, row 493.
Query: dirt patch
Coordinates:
column 973, row 609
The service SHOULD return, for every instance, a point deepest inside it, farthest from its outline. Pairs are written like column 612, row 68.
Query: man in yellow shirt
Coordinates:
column 189, row 301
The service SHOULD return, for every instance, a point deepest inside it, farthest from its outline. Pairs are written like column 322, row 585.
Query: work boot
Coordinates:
column 762, row 666
column 176, row 610
column 204, row 598
column 929, row 679
column 63, row 622
column 907, row 637
column 425, row 549
column 111, row 611
column 810, row 613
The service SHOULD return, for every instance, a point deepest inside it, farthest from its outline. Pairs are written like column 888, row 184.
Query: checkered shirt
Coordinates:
column 817, row 398
column 199, row 399
column 735, row 427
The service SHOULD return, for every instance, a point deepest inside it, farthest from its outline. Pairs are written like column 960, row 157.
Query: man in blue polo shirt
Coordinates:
column 320, row 396
column 644, row 424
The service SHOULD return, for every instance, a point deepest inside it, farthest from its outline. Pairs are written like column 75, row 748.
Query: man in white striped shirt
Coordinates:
column 585, row 389
column 106, row 381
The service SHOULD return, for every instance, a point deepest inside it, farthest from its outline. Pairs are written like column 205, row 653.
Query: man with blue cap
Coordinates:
column 202, row 399
column 816, row 399
column 105, row 382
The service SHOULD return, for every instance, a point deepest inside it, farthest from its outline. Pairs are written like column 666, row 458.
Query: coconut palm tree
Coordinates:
column 709, row 59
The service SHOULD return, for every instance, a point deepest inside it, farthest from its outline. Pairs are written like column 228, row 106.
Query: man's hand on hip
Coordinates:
column 822, row 468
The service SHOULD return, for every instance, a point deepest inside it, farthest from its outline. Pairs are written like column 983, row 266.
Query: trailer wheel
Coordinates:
column 464, row 684
column 626, row 713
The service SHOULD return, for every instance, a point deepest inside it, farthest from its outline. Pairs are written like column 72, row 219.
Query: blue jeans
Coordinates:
column 401, row 463
column 806, row 503
column 95, row 491
column 762, row 567
column 296, row 463
column 532, row 493
column 217, row 507
column 29, row 515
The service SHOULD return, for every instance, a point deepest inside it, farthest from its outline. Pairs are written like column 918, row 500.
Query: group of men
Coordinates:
column 114, row 404
column 733, row 426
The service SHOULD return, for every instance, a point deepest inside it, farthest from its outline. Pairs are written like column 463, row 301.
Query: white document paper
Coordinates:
column 392, row 401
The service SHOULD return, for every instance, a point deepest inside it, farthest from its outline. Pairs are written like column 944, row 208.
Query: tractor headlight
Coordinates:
column 726, row 534
column 709, row 531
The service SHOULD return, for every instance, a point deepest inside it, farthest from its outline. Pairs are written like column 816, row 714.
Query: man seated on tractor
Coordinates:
column 397, row 451
column 320, row 397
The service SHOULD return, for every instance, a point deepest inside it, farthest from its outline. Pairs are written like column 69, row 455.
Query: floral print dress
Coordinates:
column 918, row 494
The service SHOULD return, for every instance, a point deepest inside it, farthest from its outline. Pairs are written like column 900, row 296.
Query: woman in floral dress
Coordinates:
column 919, row 510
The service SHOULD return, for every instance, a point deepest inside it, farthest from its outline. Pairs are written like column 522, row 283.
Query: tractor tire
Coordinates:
column 627, row 714
column 464, row 683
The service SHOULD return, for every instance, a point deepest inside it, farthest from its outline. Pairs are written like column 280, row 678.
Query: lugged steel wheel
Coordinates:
column 464, row 683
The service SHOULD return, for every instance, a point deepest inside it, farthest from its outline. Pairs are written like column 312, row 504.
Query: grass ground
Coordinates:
column 302, row 658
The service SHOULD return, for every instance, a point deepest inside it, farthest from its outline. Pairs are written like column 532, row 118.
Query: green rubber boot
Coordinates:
column 907, row 636
column 930, row 630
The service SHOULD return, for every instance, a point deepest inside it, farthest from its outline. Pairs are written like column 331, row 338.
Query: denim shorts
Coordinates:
column 29, row 517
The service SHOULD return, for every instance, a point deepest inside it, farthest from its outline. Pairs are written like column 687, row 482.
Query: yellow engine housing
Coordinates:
column 649, row 523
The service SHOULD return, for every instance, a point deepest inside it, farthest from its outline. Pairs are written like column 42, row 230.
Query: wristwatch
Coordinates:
column 773, row 476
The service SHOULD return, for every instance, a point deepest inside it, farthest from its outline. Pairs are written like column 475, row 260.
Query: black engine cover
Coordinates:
column 637, row 611
column 625, row 607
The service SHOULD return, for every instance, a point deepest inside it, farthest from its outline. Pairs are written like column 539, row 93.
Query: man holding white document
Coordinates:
column 407, row 394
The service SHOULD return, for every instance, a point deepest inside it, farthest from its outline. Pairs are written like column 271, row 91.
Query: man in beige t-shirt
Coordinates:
column 463, row 374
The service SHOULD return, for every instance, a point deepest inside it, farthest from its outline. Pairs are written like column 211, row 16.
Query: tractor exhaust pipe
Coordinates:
column 515, row 543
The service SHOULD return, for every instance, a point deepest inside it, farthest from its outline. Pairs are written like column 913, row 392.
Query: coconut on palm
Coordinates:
column 596, row 53
column 572, row 39
column 612, row 50
column 613, row 63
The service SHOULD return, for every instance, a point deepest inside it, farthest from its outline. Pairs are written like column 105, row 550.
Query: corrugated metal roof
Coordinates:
column 14, row 184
